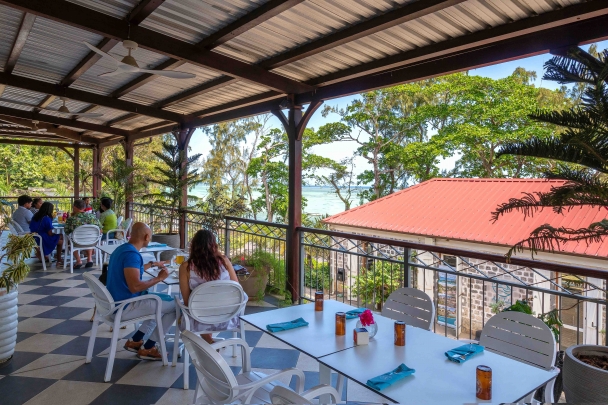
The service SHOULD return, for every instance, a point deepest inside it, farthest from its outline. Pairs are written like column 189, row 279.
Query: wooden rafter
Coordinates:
column 111, row 27
column 42, row 143
column 143, row 10
column 61, row 132
column 27, row 22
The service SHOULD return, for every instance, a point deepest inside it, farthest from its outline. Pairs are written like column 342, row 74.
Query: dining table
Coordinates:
column 436, row 380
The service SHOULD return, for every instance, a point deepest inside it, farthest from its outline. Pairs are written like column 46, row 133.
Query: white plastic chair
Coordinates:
column 211, row 303
column 524, row 338
column 85, row 237
column 16, row 229
column 285, row 396
column 218, row 382
column 110, row 312
column 119, row 220
column 412, row 306
column 120, row 235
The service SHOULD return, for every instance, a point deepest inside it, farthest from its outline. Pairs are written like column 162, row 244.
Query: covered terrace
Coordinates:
column 286, row 57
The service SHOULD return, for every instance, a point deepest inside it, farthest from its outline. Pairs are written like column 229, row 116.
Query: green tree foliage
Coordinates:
column 582, row 146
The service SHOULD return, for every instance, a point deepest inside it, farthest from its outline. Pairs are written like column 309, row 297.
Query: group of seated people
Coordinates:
column 37, row 216
column 124, row 281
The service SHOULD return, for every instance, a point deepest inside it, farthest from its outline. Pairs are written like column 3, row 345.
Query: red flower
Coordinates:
column 242, row 259
column 367, row 318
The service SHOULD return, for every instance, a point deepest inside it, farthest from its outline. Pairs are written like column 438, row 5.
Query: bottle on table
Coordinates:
column 484, row 382
column 340, row 323
column 319, row 301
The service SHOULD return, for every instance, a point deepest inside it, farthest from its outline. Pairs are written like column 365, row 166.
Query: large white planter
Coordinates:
column 8, row 324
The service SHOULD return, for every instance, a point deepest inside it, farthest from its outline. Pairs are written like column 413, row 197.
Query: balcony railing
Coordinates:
column 468, row 287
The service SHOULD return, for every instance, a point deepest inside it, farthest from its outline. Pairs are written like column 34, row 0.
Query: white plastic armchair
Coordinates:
column 285, row 396
column 85, row 237
column 214, row 302
column 110, row 312
column 16, row 229
column 524, row 338
column 218, row 382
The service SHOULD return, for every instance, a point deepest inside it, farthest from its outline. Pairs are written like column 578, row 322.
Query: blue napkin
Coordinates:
column 278, row 327
column 465, row 350
column 386, row 380
column 354, row 313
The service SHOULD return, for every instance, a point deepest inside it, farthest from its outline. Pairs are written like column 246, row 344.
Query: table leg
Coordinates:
column 324, row 378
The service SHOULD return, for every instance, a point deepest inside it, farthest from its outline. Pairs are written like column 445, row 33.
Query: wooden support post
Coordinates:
column 294, row 125
column 128, row 147
column 183, row 140
column 76, row 172
column 97, row 155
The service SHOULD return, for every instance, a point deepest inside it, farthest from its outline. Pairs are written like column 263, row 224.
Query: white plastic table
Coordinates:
column 109, row 249
column 437, row 380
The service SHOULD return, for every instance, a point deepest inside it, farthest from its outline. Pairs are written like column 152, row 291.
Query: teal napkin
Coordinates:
column 354, row 313
column 386, row 380
column 466, row 350
column 278, row 327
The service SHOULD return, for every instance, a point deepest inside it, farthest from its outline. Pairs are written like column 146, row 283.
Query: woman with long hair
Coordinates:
column 206, row 263
column 42, row 224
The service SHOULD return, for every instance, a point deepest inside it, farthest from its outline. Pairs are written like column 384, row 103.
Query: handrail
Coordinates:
column 255, row 221
column 562, row 268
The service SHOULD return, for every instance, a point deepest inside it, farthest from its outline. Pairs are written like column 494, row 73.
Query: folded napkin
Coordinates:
column 278, row 327
column 386, row 380
column 465, row 351
column 354, row 313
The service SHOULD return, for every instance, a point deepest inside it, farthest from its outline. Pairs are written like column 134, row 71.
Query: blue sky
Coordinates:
column 347, row 149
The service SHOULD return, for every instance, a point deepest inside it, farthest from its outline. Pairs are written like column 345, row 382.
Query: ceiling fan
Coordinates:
column 62, row 110
column 35, row 128
column 128, row 64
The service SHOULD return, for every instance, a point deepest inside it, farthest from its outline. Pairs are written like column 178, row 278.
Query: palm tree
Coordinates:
column 581, row 148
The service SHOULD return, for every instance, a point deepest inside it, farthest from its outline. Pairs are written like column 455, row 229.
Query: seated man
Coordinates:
column 36, row 204
column 107, row 218
column 79, row 218
column 124, row 281
column 23, row 215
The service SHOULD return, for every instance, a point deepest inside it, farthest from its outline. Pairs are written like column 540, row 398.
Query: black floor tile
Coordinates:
column 179, row 383
column 18, row 390
column 312, row 379
column 23, row 335
column 40, row 281
column 119, row 394
column 62, row 313
column 46, row 290
column 279, row 359
column 96, row 369
column 54, row 300
column 20, row 359
column 79, row 346
column 252, row 337
column 38, row 274
column 70, row 327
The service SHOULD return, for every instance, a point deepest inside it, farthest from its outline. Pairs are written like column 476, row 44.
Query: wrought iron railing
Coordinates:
column 467, row 287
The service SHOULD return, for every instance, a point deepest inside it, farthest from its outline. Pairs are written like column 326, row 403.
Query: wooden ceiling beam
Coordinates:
column 51, row 119
column 124, row 118
column 403, row 14
column 85, row 64
column 87, row 97
column 62, row 132
column 29, row 135
column 111, row 27
column 43, row 143
column 143, row 11
column 27, row 22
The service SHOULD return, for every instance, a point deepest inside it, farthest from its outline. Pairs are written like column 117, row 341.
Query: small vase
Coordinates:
column 372, row 329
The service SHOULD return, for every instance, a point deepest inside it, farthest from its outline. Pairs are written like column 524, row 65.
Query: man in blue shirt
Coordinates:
column 22, row 214
column 124, row 281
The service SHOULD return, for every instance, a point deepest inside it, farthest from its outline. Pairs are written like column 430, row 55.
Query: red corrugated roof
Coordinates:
column 461, row 209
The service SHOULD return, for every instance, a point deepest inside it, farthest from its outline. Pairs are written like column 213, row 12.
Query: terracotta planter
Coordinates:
column 8, row 324
column 255, row 283
column 169, row 240
column 582, row 382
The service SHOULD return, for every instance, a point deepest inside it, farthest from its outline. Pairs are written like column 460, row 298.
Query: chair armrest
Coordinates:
column 124, row 303
column 322, row 389
column 245, row 350
column 254, row 386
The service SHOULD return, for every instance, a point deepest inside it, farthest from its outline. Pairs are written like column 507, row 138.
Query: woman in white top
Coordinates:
column 206, row 263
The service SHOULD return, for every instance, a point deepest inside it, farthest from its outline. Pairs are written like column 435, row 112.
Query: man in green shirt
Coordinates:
column 107, row 218
column 79, row 218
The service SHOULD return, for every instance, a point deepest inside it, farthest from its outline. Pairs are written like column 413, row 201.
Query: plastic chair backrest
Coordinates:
column 86, row 235
column 12, row 228
column 119, row 220
column 216, row 301
column 126, row 224
column 103, row 299
column 412, row 306
column 17, row 227
column 520, row 336
column 214, row 375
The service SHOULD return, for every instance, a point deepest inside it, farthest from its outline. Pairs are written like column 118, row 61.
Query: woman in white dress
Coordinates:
column 206, row 263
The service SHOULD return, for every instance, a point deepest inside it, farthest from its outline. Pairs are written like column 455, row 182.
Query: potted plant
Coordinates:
column 258, row 265
column 14, row 270
column 176, row 172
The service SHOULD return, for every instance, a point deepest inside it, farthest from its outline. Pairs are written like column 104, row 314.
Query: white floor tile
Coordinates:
column 69, row 393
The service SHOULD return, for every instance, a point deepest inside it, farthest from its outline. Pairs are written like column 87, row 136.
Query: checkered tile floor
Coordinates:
column 53, row 333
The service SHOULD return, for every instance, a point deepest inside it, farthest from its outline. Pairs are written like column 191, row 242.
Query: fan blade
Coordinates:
column 174, row 74
column 99, row 51
column 114, row 73
column 40, row 129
